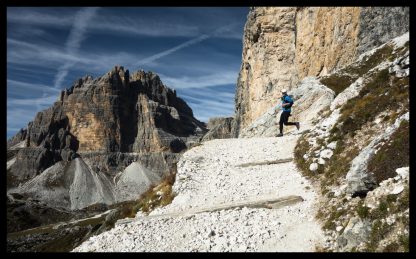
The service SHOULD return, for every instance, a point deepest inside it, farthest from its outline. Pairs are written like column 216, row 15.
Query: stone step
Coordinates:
column 269, row 203
column 278, row 161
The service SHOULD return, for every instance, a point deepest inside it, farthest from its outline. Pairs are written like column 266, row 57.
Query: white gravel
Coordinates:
column 210, row 175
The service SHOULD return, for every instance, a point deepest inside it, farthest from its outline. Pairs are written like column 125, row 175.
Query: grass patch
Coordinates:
column 362, row 210
column 378, row 231
column 302, row 147
column 363, row 108
column 320, row 141
column 380, row 94
column 403, row 200
column 338, row 83
column 392, row 155
column 392, row 247
column 404, row 242
column 340, row 162
column 380, row 55
column 380, row 212
column 330, row 225
column 391, row 198
column 333, row 216
column 160, row 195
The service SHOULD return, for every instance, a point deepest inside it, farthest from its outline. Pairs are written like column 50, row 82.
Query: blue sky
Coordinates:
column 196, row 51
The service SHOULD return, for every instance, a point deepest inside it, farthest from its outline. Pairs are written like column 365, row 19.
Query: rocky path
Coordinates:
column 232, row 195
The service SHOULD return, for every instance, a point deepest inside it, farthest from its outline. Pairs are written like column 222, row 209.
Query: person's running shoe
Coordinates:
column 298, row 125
column 280, row 135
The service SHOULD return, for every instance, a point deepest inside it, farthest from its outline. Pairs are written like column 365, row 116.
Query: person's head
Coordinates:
column 284, row 92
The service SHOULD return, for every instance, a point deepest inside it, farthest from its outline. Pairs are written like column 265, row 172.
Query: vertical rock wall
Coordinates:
column 283, row 45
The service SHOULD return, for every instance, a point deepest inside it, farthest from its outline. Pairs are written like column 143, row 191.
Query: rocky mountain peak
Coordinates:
column 107, row 122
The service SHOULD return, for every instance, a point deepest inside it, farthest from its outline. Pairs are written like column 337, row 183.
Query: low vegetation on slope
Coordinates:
column 65, row 236
column 393, row 154
column 156, row 196
column 325, row 154
column 341, row 79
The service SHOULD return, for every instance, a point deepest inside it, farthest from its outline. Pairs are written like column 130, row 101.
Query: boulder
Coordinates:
column 313, row 167
column 356, row 232
column 326, row 153
column 332, row 145
column 403, row 172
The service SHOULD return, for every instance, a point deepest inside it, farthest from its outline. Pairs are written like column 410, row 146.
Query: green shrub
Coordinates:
column 404, row 241
column 403, row 200
column 362, row 210
column 301, row 148
column 378, row 232
column 340, row 162
column 390, row 198
column 379, row 212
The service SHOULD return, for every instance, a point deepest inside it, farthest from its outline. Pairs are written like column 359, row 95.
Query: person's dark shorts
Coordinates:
column 284, row 117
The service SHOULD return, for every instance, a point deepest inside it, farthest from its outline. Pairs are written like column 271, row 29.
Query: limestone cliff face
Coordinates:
column 142, row 115
column 283, row 45
column 326, row 39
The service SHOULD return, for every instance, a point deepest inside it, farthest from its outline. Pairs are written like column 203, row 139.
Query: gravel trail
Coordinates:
column 219, row 174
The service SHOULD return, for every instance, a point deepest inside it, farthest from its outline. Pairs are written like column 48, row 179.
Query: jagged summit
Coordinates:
column 113, row 103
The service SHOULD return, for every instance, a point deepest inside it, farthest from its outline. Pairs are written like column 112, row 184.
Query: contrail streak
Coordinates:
column 184, row 45
column 73, row 43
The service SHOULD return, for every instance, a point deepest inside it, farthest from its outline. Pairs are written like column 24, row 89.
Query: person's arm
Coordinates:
column 284, row 104
column 288, row 100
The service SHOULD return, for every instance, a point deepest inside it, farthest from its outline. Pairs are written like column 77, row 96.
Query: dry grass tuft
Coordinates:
column 392, row 155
